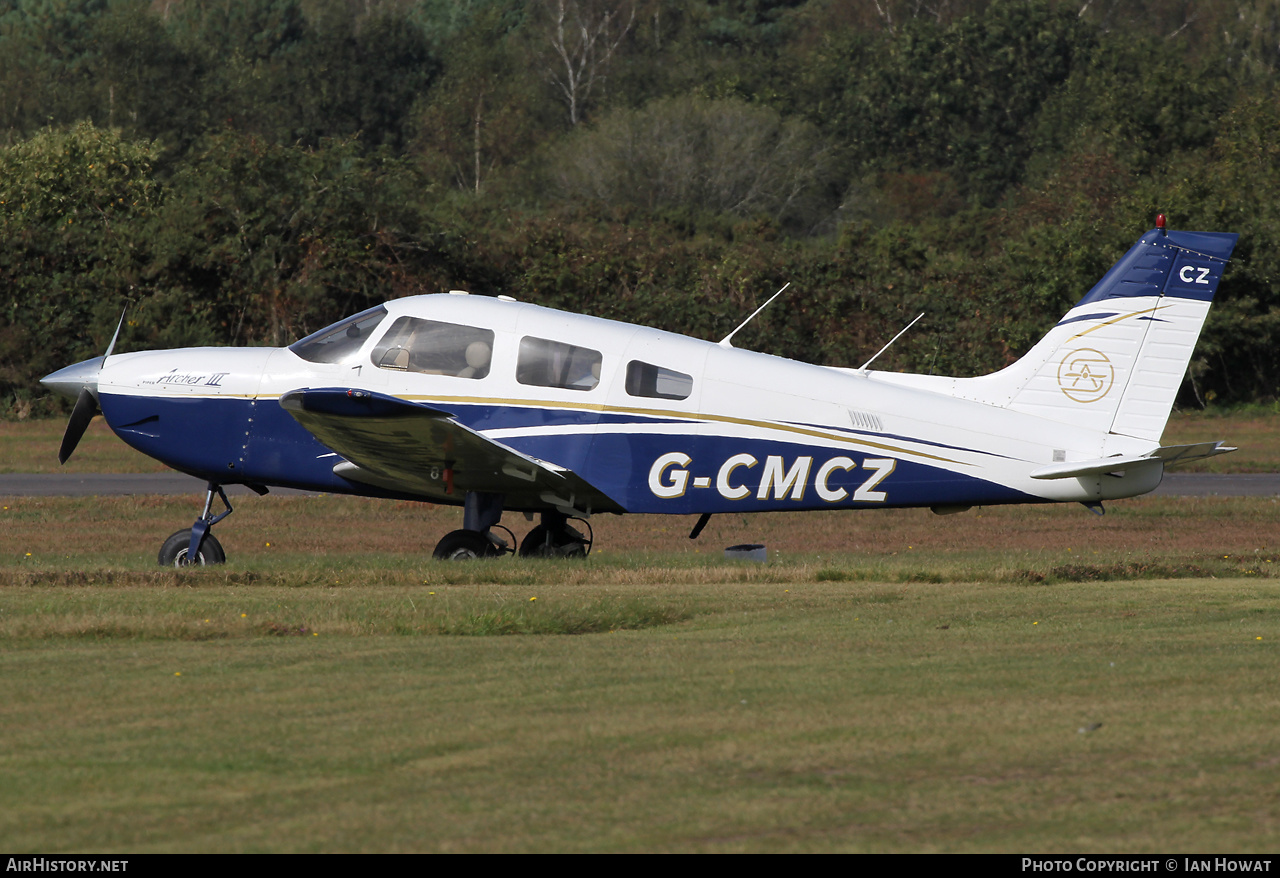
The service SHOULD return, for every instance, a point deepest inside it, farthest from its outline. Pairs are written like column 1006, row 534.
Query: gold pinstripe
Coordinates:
column 1151, row 310
column 630, row 410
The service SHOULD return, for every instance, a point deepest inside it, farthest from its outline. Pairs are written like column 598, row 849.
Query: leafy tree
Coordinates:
column 721, row 156
column 270, row 69
column 141, row 81
column 44, row 77
column 74, row 204
column 320, row 155
column 355, row 75
column 1239, row 191
column 273, row 242
column 959, row 98
column 706, row 47
column 579, row 39
column 487, row 112
column 1137, row 99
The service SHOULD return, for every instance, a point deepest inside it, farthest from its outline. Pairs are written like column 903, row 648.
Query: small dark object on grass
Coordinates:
column 747, row 552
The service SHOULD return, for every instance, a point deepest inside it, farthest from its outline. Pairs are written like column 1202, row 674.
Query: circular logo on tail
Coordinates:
column 1085, row 375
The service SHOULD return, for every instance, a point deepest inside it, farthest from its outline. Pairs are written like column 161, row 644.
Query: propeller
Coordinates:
column 80, row 382
column 81, row 415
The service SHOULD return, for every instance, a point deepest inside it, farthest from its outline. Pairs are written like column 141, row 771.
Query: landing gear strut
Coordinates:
column 480, row 513
column 466, row 545
column 195, row 545
column 554, row 538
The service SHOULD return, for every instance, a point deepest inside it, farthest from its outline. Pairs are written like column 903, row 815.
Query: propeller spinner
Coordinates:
column 80, row 382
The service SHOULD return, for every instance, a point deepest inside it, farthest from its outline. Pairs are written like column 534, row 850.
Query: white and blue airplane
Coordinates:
column 496, row 405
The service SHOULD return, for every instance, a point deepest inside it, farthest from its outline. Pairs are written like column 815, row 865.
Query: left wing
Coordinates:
column 413, row 448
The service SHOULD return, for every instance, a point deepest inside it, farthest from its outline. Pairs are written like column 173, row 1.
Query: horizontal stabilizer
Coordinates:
column 1173, row 454
column 1168, row 455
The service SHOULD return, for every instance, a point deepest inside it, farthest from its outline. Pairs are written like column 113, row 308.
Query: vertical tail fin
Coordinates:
column 1115, row 361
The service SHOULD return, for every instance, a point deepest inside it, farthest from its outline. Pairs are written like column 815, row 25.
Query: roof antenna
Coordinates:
column 863, row 367
column 725, row 343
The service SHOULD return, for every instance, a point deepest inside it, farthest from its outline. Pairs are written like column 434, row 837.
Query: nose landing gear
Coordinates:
column 195, row 546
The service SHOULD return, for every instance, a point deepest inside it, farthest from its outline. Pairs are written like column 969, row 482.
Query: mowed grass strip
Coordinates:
column 779, row 717
column 1006, row 680
column 315, row 534
column 172, row 607
column 1254, row 431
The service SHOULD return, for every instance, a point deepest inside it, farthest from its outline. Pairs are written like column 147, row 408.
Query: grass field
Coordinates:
column 1011, row 679
column 1256, row 433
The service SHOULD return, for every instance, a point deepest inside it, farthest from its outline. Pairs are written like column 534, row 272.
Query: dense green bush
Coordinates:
column 247, row 172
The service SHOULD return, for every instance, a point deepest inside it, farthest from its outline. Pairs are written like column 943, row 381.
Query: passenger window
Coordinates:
column 434, row 348
column 544, row 363
column 655, row 382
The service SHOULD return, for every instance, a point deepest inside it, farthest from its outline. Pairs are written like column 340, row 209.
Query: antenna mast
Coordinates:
column 864, row 366
column 725, row 343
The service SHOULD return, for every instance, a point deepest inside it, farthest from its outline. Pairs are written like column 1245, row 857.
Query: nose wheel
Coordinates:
column 176, row 549
column 195, row 546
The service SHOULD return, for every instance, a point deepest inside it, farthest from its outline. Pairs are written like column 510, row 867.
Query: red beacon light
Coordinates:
column 1160, row 222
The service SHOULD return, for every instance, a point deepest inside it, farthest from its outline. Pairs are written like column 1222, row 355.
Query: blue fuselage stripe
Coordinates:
column 237, row 440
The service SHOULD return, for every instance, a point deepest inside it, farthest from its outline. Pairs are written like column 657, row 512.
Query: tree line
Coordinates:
column 246, row 172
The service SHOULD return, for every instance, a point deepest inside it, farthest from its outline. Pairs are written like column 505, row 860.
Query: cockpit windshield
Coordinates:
column 341, row 341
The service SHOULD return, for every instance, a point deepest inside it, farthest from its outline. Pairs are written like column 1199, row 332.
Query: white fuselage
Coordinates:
column 751, row 431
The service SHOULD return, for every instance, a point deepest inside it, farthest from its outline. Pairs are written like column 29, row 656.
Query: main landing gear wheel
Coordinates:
column 465, row 545
column 555, row 542
column 174, row 551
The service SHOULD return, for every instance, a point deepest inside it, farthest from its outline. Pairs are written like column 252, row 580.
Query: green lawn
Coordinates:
column 1021, row 679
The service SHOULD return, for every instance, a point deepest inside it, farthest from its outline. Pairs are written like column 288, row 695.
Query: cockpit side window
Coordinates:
column 435, row 348
column 655, row 382
column 341, row 341
column 546, row 363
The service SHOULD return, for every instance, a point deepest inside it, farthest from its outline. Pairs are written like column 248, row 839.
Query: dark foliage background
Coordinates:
column 247, row 172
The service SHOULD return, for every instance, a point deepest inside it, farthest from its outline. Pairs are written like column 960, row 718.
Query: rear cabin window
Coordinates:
column 434, row 348
column 655, row 382
column 341, row 341
column 545, row 363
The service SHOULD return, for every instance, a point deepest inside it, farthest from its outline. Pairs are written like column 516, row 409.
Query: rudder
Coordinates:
column 1115, row 361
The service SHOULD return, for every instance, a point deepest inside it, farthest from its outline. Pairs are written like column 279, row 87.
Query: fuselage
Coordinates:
column 656, row 421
